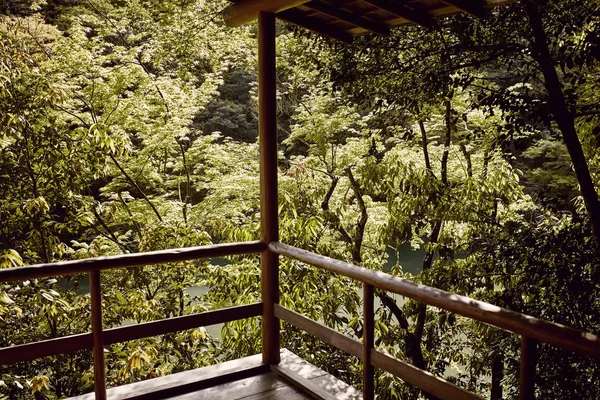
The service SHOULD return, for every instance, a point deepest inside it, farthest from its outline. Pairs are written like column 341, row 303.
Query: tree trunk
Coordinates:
column 425, row 148
column 563, row 117
column 136, row 186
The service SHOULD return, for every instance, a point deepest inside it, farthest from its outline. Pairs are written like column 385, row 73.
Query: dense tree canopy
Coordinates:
column 472, row 148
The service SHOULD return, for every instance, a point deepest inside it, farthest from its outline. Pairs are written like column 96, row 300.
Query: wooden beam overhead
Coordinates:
column 245, row 11
column 350, row 18
column 400, row 10
column 475, row 8
column 297, row 18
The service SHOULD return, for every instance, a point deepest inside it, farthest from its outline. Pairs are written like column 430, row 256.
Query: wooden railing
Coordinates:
column 99, row 337
column 532, row 330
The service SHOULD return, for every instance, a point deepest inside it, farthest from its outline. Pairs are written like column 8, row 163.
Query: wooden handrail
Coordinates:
column 130, row 260
column 424, row 380
column 409, row 373
column 586, row 344
column 84, row 341
column 325, row 333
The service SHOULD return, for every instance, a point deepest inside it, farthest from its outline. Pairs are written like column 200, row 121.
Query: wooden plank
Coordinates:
column 326, row 334
column 242, row 12
column 300, row 366
column 586, row 344
column 528, row 369
column 350, row 18
column 97, row 334
column 67, row 344
column 282, row 393
column 297, row 18
column 303, row 384
column 320, row 378
column 400, row 10
column 129, row 260
column 45, row 348
column 436, row 13
column 368, row 342
column 188, row 381
column 422, row 379
column 255, row 386
column 267, row 126
column 473, row 7
column 164, row 326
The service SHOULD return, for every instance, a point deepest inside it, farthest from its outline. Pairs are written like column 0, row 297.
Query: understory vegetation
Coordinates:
column 131, row 125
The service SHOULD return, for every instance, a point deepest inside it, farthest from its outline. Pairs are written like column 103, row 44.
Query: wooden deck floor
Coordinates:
column 246, row 378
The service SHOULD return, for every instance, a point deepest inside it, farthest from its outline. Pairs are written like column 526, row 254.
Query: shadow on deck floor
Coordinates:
column 246, row 378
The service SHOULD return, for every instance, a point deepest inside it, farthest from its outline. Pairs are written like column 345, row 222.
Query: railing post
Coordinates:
column 527, row 369
column 267, row 127
column 97, row 332
column 368, row 342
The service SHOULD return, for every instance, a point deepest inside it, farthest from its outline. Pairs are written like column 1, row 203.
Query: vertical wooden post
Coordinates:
column 528, row 366
column 368, row 342
column 99, row 368
column 267, row 127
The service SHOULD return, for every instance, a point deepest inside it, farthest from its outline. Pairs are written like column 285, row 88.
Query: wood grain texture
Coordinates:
column 269, row 222
column 98, row 336
column 368, row 341
column 247, row 378
column 305, row 385
column 129, row 260
column 348, row 17
column 326, row 334
column 67, row 344
column 163, row 326
column 246, row 11
column 51, row 347
column 586, row 344
column 400, row 10
column 294, row 17
column 188, row 381
column 527, row 370
column 422, row 13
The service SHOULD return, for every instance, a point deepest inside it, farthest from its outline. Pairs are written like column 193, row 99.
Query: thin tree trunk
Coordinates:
column 188, row 188
column 425, row 148
column 136, row 186
column 563, row 116
column 362, row 220
column 467, row 155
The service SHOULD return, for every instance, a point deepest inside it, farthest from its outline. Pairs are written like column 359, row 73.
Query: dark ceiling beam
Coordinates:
column 475, row 8
column 297, row 18
column 353, row 19
column 245, row 11
column 400, row 10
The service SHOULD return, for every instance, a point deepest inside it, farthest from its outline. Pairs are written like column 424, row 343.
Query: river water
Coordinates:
column 411, row 261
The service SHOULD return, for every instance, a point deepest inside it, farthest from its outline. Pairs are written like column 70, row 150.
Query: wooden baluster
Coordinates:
column 528, row 366
column 267, row 127
column 99, row 367
column 368, row 342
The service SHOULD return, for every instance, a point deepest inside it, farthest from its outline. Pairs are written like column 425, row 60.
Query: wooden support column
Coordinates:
column 528, row 367
column 97, row 332
column 267, row 127
column 368, row 342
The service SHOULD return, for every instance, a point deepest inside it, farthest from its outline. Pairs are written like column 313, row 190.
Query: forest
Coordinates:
column 465, row 157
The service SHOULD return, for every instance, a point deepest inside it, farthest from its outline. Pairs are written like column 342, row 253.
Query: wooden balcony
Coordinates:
column 277, row 373
column 282, row 374
column 246, row 378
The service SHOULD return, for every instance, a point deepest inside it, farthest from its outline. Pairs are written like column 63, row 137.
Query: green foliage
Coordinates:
column 130, row 126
